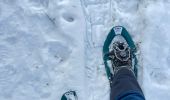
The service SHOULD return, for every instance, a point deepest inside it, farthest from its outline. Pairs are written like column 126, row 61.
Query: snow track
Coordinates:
column 98, row 17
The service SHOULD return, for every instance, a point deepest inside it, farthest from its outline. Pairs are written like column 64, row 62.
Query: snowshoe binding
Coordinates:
column 120, row 54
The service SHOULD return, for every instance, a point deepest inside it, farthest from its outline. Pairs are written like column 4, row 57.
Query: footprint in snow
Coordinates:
column 55, row 52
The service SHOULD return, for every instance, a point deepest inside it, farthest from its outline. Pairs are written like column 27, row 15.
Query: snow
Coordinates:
column 48, row 47
column 156, row 51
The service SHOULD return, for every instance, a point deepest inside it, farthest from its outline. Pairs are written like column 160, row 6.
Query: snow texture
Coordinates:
column 48, row 47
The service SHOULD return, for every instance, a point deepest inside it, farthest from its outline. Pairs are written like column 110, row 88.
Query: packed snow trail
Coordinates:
column 98, row 17
column 48, row 47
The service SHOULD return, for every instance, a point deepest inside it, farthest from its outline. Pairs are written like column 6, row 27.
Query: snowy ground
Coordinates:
column 48, row 47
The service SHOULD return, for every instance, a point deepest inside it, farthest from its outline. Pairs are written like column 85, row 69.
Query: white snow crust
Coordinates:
column 48, row 47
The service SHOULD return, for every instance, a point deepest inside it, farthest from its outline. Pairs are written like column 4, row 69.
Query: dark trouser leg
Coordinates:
column 124, row 81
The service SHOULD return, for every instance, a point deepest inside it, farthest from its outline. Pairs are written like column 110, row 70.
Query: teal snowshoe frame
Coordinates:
column 121, row 31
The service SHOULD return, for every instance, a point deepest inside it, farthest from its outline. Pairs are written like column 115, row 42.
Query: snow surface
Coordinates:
column 48, row 47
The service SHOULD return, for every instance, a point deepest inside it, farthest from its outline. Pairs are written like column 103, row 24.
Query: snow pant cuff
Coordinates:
column 124, row 81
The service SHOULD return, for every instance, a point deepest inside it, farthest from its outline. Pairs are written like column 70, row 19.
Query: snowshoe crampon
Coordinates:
column 122, row 54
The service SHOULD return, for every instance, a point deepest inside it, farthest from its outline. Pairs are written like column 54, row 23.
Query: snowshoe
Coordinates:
column 120, row 50
column 70, row 95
